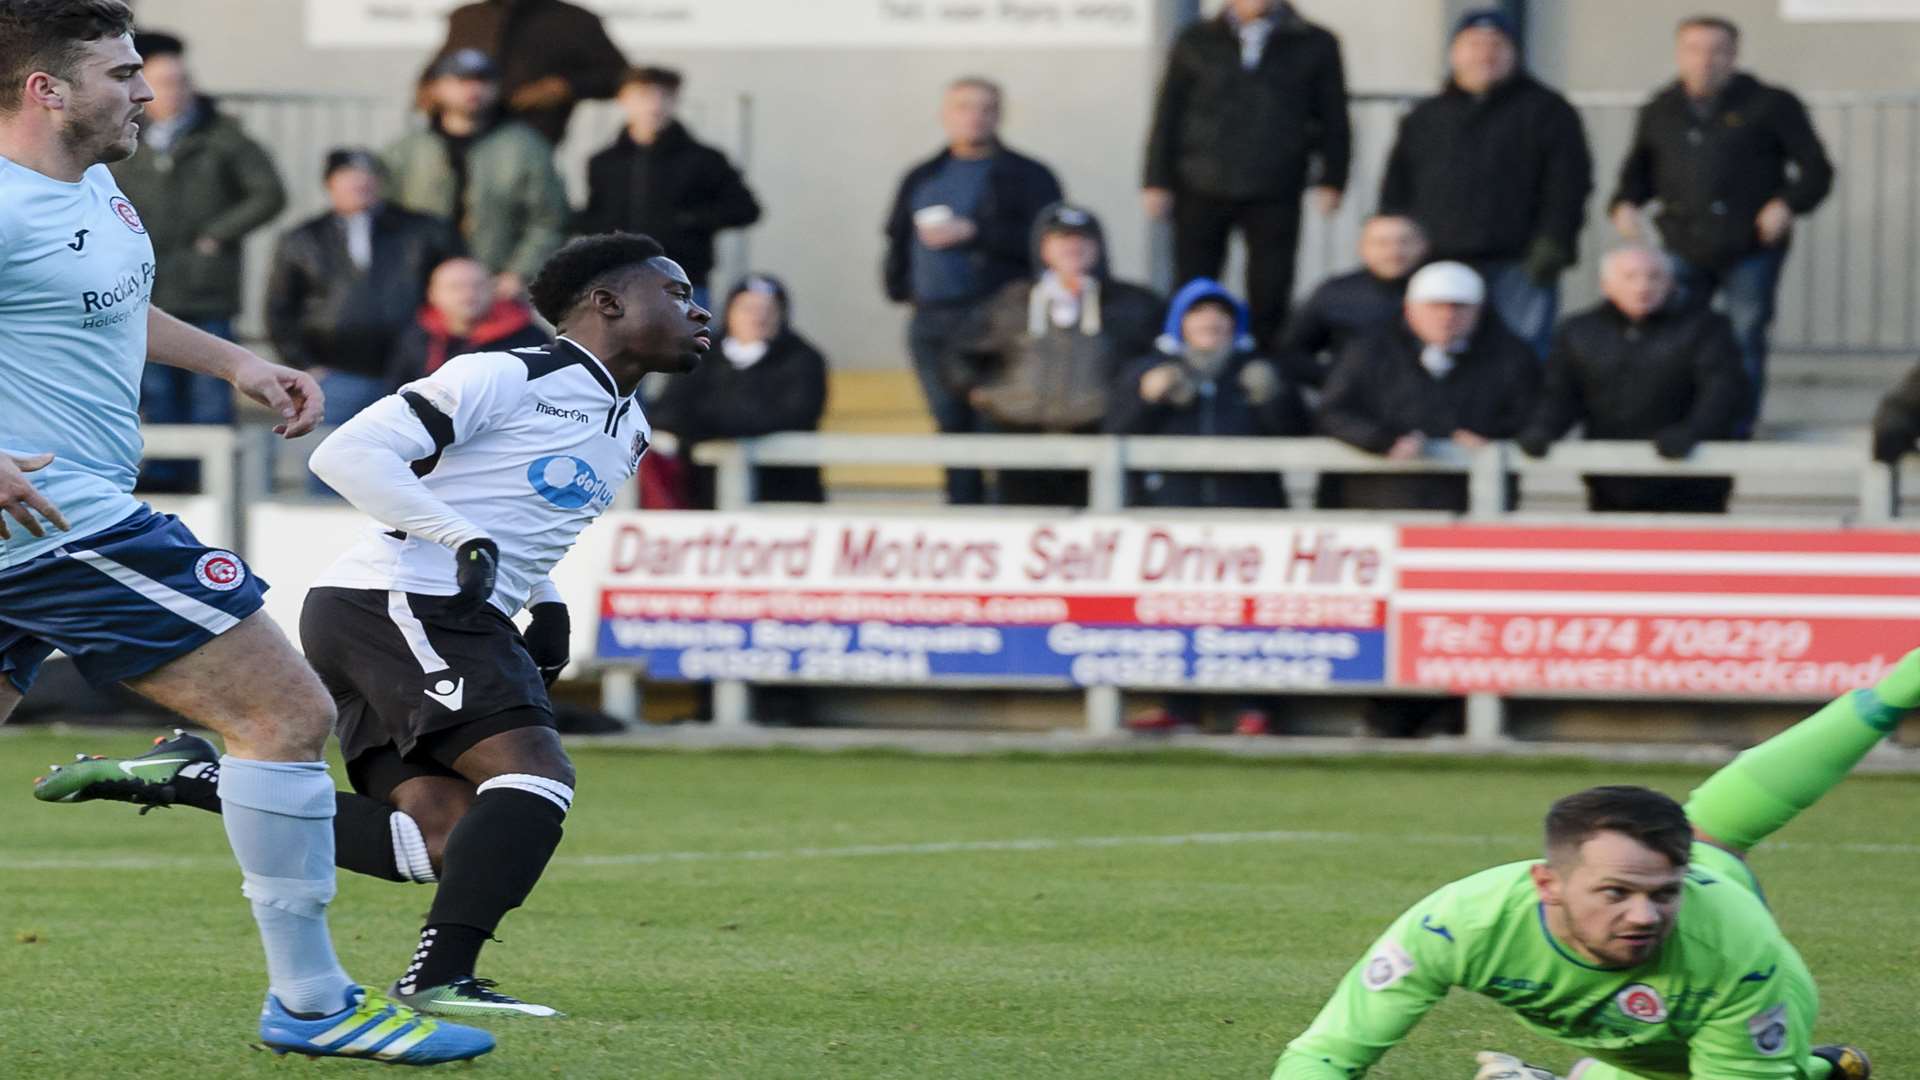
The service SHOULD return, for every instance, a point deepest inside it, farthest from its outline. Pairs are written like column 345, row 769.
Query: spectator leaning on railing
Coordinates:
column 960, row 229
column 1896, row 423
column 763, row 378
column 1496, row 169
column 1252, row 108
column 1640, row 366
column 1445, row 373
column 551, row 55
column 1732, row 162
column 1355, row 304
column 491, row 176
column 1043, row 354
column 658, row 180
column 201, row 186
column 347, row 282
column 461, row 315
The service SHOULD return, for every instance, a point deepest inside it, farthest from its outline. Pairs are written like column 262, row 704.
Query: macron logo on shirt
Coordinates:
column 574, row 415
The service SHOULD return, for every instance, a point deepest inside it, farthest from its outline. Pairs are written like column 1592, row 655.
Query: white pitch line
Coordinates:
column 25, row 862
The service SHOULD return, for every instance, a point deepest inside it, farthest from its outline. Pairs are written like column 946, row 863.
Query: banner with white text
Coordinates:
column 1082, row 601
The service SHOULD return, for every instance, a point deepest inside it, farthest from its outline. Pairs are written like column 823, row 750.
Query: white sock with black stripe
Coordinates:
column 553, row 791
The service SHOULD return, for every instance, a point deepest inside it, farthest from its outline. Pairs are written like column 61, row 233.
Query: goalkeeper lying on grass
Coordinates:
column 1642, row 940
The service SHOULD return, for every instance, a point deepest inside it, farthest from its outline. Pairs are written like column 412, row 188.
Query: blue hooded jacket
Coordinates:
column 1172, row 342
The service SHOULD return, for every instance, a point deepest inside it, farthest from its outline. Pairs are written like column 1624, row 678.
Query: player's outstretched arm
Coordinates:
column 1380, row 999
column 293, row 394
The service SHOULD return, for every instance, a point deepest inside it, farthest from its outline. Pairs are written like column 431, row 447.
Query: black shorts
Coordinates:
column 413, row 683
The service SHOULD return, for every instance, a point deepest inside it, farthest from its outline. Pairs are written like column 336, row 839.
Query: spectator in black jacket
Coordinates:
column 1252, row 108
column 552, row 54
column 960, row 229
column 658, row 179
column 461, row 315
column 1206, row 377
column 763, row 378
column 1443, row 374
column 1043, row 353
column 1896, row 423
column 346, row 283
column 1496, row 169
column 1355, row 304
column 1732, row 162
column 1638, row 366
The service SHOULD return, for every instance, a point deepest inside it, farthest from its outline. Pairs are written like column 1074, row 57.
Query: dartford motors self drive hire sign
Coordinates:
column 1083, row 601
column 653, row 25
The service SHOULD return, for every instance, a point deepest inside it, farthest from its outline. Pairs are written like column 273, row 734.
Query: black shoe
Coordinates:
column 1849, row 1062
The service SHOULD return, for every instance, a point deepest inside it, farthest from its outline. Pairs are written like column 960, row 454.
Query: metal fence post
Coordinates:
column 1107, row 482
column 1486, row 719
column 732, row 705
column 1487, row 482
column 1877, row 493
column 733, row 476
column 620, row 694
column 1103, row 710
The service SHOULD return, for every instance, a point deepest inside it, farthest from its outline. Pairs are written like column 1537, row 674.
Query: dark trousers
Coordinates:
column 1747, row 291
column 1658, row 494
column 931, row 335
column 1201, row 228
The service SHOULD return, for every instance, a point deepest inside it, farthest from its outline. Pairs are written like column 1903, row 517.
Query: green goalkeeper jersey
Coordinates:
column 1726, row 997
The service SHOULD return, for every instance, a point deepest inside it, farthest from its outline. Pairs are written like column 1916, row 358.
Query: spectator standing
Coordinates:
column 491, row 176
column 960, row 229
column 1732, row 162
column 658, row 180
column 201, row 185
column 461, row 315
column 1443, row 374
column 346, row 283
column 1355, row 304
column 1496, row 169
column 1638, row 366
column 764, row 378
column 551, row 55
column 1252, row 109
column 1046, row 351
column 1896, row 423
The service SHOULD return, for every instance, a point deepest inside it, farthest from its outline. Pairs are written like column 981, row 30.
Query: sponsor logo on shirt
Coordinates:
column 128, row 214
column 1501, row 982
column 1387, row 966
column 221, row 571
column 569, row 483
column 574, row 415
column 1643, row 1003
column 1769, row 1030
column 127, row 293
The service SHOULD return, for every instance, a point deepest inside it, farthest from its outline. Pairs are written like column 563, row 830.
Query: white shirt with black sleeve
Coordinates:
column 524, row 448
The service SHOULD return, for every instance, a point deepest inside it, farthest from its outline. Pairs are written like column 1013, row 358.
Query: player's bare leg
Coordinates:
column 493, row 857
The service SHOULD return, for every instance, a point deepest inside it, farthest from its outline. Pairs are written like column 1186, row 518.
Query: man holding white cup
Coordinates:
column 961, row 228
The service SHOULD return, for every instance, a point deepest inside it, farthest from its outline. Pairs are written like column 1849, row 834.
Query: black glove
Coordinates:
column 550, row 639
column 1891, row 446
column 1533, row 445
column 475, row 564
column 1675, row 443
column 1545, row 259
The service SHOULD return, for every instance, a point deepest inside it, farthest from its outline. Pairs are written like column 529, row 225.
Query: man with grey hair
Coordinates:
column 1638, row 366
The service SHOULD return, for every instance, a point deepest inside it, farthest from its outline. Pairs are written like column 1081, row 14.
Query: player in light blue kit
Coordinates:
column 131, row 595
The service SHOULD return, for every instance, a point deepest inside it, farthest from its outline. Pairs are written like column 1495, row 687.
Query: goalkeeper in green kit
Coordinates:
column 1642, row 941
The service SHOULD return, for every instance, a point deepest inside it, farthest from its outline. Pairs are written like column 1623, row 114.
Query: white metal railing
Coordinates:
column 1871, row 485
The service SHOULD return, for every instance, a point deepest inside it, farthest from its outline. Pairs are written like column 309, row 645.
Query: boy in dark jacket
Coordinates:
column 1043, row 354
column 461, row 316
column 762, row 379
column 658, row 179
column 1206, row 379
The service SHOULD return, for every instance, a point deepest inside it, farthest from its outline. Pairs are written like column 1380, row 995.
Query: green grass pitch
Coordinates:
column 788, row 915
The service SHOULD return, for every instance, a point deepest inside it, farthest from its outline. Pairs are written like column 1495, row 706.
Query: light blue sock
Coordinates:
column 279, row 818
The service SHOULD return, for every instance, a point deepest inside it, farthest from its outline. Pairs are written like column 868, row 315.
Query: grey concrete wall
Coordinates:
column 830, row 130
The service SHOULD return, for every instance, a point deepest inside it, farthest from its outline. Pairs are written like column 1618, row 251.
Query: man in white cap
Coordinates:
column 1444, row 374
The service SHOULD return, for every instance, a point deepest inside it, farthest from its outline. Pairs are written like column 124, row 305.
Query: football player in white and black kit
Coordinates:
column 480, row 477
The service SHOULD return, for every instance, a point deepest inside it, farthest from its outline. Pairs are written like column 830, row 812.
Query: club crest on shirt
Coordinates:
column 128, row 214
column 1643, row 1003
column 1388, row 965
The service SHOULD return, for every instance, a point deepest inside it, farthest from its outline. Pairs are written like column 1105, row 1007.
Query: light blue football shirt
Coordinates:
column 76, row 281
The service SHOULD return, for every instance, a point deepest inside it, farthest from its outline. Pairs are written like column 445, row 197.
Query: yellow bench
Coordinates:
column 878, row 403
